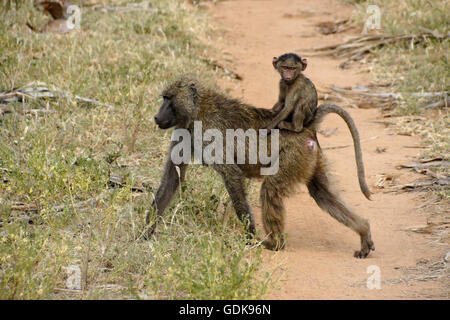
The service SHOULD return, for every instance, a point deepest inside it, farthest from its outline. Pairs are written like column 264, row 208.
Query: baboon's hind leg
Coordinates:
column 328, row 200
column 273, row 211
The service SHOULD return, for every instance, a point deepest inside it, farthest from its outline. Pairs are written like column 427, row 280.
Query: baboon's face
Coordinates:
column 289, row 65
column 166, row 117
column 179, row 104
column 289, row 69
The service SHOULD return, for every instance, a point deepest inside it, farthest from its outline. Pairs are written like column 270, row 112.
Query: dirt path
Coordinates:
column 318, row 262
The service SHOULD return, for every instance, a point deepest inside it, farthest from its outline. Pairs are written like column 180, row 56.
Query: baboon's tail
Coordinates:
column 323, row 110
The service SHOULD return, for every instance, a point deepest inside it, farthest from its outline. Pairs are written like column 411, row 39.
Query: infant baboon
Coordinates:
column 297, row 100
column 300, row 160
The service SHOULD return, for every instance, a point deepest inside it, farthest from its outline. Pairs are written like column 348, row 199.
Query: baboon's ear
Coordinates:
column 304, row 64
column 274, row 62
column 194, row 92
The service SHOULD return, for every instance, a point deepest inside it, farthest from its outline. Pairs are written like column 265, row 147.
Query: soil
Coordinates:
column 318, row 261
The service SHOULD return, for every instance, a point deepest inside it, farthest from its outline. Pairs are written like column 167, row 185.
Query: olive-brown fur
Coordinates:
column 300, row 161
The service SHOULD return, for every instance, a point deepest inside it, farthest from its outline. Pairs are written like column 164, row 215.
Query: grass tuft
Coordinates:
column 58, row 165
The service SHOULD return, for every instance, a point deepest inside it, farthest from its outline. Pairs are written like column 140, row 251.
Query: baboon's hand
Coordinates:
column 282, row 125
column 277, row 107
column 271, row 126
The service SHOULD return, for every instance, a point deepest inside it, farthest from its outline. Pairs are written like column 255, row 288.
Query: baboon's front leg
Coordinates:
column 169, row 184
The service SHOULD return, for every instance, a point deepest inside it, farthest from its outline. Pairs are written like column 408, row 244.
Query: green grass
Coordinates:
column 57, row 160
column 424, row 67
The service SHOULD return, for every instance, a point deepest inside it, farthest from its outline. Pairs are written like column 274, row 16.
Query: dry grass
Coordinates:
column 416, row 69
column 55, row 167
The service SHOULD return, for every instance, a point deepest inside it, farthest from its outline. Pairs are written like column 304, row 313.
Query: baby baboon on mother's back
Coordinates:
column 297, row 100
column 300, row 160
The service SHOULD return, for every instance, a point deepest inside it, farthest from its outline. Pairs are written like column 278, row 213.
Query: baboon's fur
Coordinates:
column 300, row 160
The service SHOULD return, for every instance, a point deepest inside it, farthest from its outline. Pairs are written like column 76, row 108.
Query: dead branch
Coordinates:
column 330, row 27
column 440, row 104
column 365, row 97
column 427, row 184
column 6, row 109
column 416, row 147
column 132, row 7
column 36, row 90
column 417, row 166
column 425, row 167
column 358, row 92
column 431, row 160
column 59, row 208
column 356, row 48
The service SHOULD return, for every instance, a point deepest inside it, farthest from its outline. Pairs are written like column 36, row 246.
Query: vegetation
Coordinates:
column 59, row 210
column 415, row 69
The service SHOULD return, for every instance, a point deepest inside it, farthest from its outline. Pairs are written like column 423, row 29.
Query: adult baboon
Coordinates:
column 300, row 160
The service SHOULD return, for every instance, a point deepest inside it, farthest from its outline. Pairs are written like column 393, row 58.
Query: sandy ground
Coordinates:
column 318, row 262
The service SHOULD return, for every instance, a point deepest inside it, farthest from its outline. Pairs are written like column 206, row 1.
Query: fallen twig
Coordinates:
column 132, row 7
column 355, row 92
column 330, row 27
column 386, row 123
column 424, row 167
column 36, row 89
column 356, row 48
column 442, row 103
column 439, row 163
column 59, row 208
column 365, row 97
column 6, row 109
column 416, row 147
column 434, row 33
column 427, row 184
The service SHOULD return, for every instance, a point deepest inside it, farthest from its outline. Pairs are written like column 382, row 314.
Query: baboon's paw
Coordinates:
column 365, row 250
column 273, row 245
column 148, row 233
column 253, row 243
